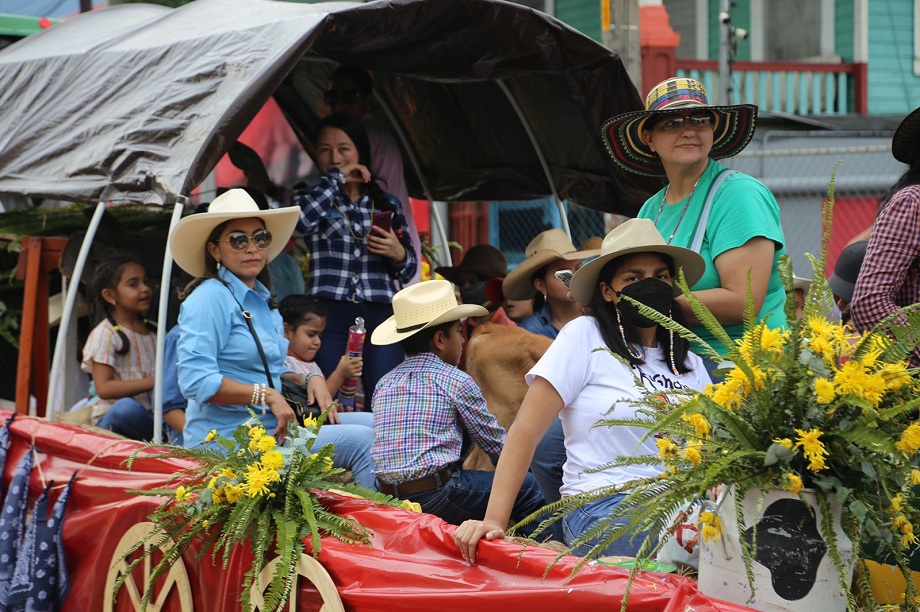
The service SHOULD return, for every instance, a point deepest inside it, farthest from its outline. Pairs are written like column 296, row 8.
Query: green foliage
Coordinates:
column 249, row 490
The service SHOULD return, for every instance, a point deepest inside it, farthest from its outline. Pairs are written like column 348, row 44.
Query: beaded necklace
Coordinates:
column 682, row 212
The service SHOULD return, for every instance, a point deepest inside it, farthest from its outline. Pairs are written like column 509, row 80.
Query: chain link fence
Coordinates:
column 795, row 166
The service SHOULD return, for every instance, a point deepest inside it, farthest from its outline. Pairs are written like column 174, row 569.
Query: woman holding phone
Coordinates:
column 360, row 251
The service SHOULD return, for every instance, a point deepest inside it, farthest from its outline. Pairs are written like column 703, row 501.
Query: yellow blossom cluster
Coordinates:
column 692, row 452
column 909, row 443
column 666, row 448
column 710, row 526
column 792, row 483
column 900, row 522
column 813, row 447
column 700, row 424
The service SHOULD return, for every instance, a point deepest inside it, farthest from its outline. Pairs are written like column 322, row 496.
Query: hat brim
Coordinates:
column 905, row 144
column 841, row 288
column 188, row 240
column 732, row 131
column 585, row 280
column 518, row 286
column 388, row 333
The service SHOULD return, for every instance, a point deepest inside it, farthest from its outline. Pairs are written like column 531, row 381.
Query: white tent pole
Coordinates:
column 69, row 302
column 439, row 225
column 162, row 315
column 536, row 147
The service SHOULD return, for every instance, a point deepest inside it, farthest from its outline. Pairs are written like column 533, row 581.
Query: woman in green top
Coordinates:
column 729, row 218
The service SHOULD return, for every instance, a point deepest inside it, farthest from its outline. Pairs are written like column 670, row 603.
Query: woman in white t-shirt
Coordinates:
column 584, row 385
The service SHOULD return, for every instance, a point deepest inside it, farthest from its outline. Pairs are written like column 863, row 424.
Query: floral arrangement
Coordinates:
column 249, row 488
column 814, row 406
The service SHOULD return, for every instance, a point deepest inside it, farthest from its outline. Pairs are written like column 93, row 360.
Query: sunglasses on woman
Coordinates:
column 239, row 241
column 349, row 96
column 675, row 123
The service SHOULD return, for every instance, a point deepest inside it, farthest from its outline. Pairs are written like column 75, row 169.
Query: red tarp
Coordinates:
column 413, row 564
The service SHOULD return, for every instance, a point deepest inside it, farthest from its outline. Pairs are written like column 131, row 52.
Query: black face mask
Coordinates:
column 653, row 293
column 474, row 293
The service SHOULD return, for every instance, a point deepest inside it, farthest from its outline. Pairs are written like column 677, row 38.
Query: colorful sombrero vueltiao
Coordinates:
column 733, row 126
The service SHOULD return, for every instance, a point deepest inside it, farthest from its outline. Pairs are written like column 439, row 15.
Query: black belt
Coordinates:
column 419, row 485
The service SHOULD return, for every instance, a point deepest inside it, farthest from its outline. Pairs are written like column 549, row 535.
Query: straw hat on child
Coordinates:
column 421, row 306
column 546, row 248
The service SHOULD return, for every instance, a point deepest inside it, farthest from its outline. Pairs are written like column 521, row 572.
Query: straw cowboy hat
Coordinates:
column 483, row 260
column 421, row 306
column 187, row 241
column 546, row 248
column 634, row 236
column 905, row 144
column 733, row 126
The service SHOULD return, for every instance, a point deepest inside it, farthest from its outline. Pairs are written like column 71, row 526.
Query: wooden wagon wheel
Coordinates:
column 309, row 568
column 175, row 579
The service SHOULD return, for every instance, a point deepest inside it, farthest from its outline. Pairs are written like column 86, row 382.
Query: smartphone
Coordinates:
column 384, row 220
column 564, row 275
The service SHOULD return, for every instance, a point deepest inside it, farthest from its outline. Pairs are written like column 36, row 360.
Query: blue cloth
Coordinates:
column 12, row 524
column 129, row 418
column 21, row 584
column 287, row 277
column 352, row 439
column 172, row 394
column 541, row 322
column 587, row 517
column 335, row 228
column 216, row 342
column 466, row 496
column 378, row 360
column 4, row 448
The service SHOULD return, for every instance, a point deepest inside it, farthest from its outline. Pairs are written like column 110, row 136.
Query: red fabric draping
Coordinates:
column 412, row 565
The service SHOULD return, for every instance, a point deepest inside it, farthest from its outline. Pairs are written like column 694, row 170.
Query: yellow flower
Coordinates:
column 711, row 526
column 205, row 523
column 310, row 422
column 784, row 442
column 256, row 432
column 228, row 473
column 182, row 493
column 896, row 375
column 411, row 505
column 666, row 448
column 211, row 435
column 910, row 440
column 824, row 391
column 220, row 496
column 693, row 455
column 699, row 422
column 793, row 483
column 234, row 492
column 258, row 478
column 813, row 447
column 915, row 477
column 710, row 533
column 265, row 444
column 273, row 460
column 898, row 521
column 909, row 539
column 213, row 484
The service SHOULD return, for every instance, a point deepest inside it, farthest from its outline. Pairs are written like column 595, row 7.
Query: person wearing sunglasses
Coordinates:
column 360, row 252
column 729, row 218
column 351, row 92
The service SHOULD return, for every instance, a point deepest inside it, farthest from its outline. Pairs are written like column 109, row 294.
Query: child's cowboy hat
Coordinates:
column 733, row 126
column 634, row 236
column 421, row 306
column 546, row 248
column 188, row 240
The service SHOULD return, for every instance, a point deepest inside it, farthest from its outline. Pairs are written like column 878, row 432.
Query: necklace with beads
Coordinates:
column 682, row 212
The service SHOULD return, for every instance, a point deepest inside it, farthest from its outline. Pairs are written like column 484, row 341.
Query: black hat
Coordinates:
column 846, row 270
column 905, row 144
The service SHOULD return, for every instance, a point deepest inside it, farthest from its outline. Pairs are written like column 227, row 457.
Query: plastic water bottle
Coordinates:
column 355, row 349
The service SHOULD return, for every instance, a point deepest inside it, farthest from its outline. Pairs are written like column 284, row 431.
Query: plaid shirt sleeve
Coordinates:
column 478, row 421
column 890, row 274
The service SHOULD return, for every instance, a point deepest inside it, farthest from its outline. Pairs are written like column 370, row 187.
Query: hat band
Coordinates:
column 402, row 330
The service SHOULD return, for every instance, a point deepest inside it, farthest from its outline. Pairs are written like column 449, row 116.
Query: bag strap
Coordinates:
column 247, row 316
column 697, row 243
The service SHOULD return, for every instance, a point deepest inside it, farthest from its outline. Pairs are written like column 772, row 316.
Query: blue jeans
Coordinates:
column 548, row 459
column 378, row 360
column 583, row 519
column 352, row 439
column 129, row 418
column 466, row 495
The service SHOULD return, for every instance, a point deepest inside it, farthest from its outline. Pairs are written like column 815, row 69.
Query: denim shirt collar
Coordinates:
column 239, row 289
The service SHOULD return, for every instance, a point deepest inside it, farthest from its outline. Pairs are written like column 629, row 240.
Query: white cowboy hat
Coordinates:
column 546, row 248
column 634, row 236
column 421, row 306
column 187, row 243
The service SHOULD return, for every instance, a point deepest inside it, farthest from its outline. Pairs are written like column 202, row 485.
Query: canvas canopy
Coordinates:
column 489, row 100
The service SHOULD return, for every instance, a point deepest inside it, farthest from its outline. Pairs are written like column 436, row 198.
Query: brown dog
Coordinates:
column 497, row 358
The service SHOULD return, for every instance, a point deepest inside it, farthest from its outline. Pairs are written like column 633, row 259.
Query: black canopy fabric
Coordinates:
column 138, row 102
